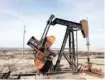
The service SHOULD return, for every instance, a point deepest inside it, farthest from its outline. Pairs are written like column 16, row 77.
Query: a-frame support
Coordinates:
column 72, row 57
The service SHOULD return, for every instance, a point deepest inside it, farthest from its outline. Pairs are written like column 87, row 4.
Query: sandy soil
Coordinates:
column 26, row 65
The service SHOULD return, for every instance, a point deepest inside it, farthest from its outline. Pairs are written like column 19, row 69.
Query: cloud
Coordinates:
column 34, row 14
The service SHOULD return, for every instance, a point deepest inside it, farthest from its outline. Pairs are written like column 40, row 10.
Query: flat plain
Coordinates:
column 20, row 63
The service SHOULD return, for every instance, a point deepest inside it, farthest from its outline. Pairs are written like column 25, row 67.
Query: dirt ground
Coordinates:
column 26, row 65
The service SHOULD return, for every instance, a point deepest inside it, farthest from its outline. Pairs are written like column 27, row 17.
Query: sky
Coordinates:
column 14, row 14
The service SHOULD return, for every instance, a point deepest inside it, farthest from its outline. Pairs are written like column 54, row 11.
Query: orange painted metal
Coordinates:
column 41, row 56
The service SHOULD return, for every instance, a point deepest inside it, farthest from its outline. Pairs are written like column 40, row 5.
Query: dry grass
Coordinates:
column 26, row 65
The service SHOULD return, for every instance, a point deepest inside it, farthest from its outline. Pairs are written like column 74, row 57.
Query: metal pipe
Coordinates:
column 24, row 39
column 77, row 48
column 70, row 47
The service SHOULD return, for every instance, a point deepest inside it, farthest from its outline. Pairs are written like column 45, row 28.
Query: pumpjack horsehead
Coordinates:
column 42, row 53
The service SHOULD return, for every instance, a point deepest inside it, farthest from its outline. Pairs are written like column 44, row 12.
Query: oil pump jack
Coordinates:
column 41, row 48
